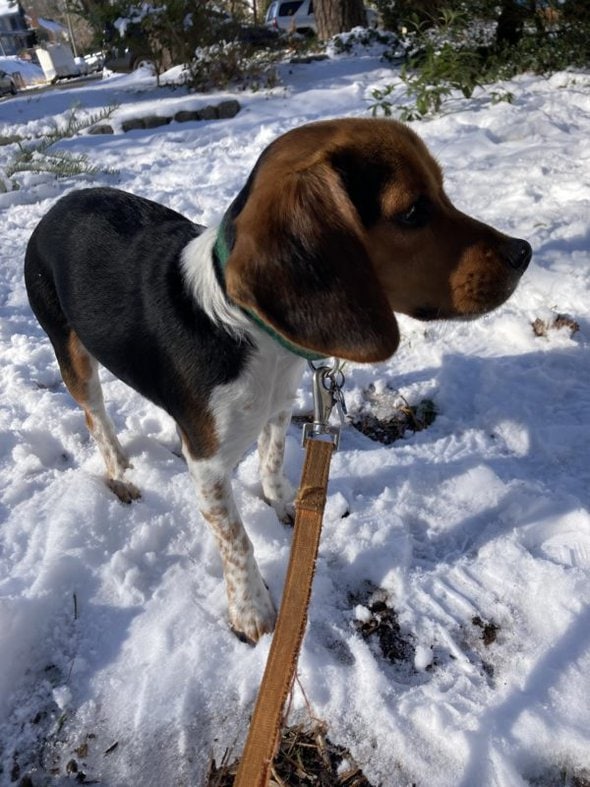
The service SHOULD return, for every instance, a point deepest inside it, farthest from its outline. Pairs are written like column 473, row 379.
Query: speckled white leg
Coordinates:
column 251, row 610
column 277, row 490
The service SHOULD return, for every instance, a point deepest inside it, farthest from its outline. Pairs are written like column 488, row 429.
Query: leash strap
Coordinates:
column 265, row 726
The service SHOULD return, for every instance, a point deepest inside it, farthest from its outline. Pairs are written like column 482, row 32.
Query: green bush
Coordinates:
column 477, row 44
column 542, row 52
column 232, row 63
column 166, row 32
column 441, row 59
column 397, row 14
column 179, row 32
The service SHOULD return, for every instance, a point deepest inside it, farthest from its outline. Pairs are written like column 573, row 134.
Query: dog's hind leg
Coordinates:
column 79, row 370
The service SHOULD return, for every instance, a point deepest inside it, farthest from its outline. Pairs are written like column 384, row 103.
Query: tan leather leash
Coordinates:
column 320, row 441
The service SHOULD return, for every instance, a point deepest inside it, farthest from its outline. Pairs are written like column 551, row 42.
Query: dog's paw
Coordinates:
column 252, row 614
column 285, row 510
column 280, row 495
column 124, row 490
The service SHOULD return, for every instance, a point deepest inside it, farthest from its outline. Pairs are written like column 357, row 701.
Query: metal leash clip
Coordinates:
column 327, row 393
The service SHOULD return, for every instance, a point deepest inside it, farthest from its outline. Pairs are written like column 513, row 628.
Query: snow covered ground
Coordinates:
column 114, row 646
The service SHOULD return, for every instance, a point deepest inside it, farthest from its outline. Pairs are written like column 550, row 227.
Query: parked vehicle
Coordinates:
column 124, row 58
column 291, row 16
column 297, row 16
column 57, row 62
column 7, row 84
column 131, row 51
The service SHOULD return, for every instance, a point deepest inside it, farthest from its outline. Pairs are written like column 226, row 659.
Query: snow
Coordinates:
column 112, row 619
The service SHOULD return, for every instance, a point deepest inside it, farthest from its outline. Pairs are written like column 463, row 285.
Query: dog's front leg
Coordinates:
column 251, row 611
column 276, row 488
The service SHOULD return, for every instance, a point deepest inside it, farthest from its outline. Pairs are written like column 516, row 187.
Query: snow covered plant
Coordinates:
column 39, row 157
column 232, row 63
column 362, row 40
column 382, row 101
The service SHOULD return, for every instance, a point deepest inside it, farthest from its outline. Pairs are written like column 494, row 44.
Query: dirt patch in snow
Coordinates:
column 306, row 757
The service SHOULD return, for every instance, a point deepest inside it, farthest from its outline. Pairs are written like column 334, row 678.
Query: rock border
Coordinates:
column 223, row 111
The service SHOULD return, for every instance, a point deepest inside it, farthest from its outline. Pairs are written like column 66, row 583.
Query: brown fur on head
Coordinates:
column 345, row 222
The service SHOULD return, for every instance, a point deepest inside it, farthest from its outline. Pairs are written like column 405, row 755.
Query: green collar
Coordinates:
column 221, row 252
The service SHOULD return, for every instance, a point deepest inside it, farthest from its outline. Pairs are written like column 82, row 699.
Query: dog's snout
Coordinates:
column 517, row 254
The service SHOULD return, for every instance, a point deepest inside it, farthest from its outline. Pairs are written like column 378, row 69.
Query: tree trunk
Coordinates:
column 510, row 23
column 338, row 16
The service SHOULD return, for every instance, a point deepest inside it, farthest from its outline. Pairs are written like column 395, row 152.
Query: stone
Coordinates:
column 184, row 115
column 228, row 109
column 104, row 128
column 132, row 123
column 153, row 121
column 208, row 113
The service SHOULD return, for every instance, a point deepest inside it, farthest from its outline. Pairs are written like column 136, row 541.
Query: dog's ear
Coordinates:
column 300, row 265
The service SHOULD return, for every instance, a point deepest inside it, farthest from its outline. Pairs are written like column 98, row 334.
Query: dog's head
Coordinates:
column 345, row 222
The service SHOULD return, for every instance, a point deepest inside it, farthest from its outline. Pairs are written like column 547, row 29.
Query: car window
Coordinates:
column 290, row 8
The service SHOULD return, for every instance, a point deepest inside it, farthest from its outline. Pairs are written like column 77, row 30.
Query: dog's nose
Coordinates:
column 517, row 254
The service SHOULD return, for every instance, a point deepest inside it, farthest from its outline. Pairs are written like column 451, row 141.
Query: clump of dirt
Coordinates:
column 386, row 421
column 386, row 416
column 560, row 776
column 489, row 630
column 542, row 327
column 306, row 757
column 378, row 622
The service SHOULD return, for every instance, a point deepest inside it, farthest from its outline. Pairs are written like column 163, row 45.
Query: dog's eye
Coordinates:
column 417, row 214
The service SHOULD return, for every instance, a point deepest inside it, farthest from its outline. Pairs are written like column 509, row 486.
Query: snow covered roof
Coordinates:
column 50, row 24
column 7, row 8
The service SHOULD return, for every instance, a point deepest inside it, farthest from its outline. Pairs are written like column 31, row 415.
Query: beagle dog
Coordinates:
column 341, row 224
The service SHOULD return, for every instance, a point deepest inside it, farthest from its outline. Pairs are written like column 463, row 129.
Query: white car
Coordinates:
column 298, row 16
